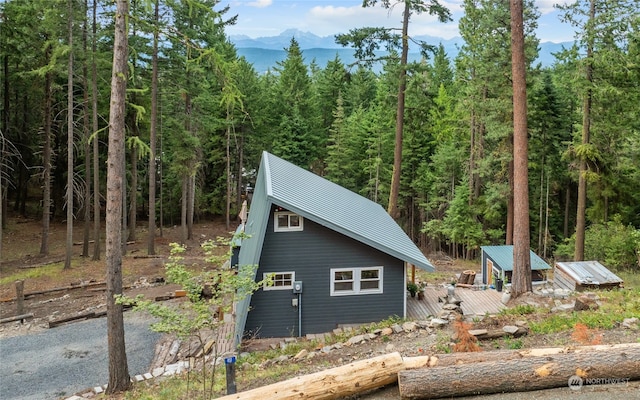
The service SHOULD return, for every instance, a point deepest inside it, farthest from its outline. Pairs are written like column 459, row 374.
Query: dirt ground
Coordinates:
column 82, row 286
column 143, row 275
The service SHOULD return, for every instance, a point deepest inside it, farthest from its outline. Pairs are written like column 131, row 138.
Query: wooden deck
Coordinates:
column 474, row 302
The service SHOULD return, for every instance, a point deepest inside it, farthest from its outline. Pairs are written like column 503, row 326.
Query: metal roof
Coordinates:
column 284, row 184
column 503, row 256
column 589, row 272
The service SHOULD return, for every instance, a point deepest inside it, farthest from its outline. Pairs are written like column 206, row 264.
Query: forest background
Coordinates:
column 199, row 117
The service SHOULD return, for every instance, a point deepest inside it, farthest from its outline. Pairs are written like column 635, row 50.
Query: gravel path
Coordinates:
column 62, row 361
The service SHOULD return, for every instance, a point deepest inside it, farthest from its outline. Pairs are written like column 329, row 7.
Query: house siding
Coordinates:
column 312, row 253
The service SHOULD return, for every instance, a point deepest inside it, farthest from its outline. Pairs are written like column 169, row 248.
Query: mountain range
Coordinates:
column 265, row 52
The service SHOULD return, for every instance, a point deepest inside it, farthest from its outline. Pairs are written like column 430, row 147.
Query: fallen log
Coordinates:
column 16, row 318
column 58, row 322
column 334, row 383
column 521, row 375
column 443, row 360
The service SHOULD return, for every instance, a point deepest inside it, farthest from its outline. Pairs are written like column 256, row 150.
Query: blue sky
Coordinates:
column 258, row 18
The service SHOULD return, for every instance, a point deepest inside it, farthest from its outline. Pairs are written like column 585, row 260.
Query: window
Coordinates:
column 354, row 281
column 287, row 221
column 279, row 280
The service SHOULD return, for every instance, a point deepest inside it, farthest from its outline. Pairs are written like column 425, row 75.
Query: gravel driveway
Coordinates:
column 62, row 361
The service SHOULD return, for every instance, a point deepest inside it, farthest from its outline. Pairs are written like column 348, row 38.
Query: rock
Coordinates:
column 521, row 323
column 157, row 371
column 506, row 296
column 510, row 329
column 451, row 307
column 356, row 339
column 301, row 354
column 282, row 358
column 477, row 332
column 386, row 331
column 438, row 323
column 409, row 326
column 563, row 307
column 337, row 331
column 326, row 349
column 390, row 348
column 584, row 303
column 370, row 336
column 290, row 340
column 396, row 328
column 630, row 323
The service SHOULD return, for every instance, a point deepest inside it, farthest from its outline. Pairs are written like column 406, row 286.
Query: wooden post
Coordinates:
column 19, row 297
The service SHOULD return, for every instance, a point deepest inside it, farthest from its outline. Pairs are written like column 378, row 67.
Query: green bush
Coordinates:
column 615, row 245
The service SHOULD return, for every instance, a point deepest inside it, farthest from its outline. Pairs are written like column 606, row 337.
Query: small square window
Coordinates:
column 285, row 221
column 279, row 280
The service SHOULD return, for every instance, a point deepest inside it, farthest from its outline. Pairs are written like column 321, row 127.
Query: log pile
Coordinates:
column 461, row 374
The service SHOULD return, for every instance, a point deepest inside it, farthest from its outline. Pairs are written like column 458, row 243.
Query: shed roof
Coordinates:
column 503, row 256
column 589, row 272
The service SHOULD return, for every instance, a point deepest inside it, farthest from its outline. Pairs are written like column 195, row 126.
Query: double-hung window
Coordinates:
column 279, row 280
column 356, row 281
column 285, row 221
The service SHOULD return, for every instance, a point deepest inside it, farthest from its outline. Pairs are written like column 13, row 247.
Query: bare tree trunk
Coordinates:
column 96, row 154
column 190, row 204
column 87, row 149
column 119, row 379
column 228, row 172
column 70, row 169
column 133, row 200
column 567, row 198
column 397, row 152
column 151, row 250
column 510, row 216
column 46, row 162
column 521, row 240
column 540, row 211
column 586, row 132
column 183, row 212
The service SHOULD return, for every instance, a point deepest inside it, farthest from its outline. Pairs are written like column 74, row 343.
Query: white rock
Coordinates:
column 510, row 329
column 356, row 339
column 437, row 322
column 409, row 326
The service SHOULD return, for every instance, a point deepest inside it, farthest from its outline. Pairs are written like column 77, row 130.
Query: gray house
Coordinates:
column 336, row 258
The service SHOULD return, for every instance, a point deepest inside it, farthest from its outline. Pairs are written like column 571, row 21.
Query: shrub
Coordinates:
column 615, row 245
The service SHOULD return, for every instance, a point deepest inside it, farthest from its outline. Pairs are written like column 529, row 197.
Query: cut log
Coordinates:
column 443, row 360
column 521, row 375
column 16, row 318
column 333, row 383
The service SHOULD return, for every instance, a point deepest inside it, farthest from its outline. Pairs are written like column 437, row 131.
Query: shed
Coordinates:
column 584, row 275
column 497, row 263
column 336, row 258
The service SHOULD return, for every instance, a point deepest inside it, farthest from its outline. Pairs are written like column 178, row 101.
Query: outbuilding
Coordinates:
column 497, row 266
column 584, row 275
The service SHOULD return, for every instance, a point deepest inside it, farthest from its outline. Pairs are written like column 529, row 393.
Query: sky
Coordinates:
column 258, row 18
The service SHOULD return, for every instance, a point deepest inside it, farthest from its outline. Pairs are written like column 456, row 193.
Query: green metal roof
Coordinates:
column 326, row 203
column 503, row 256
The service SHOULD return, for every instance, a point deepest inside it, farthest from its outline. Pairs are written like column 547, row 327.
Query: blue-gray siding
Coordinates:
column 311, row 254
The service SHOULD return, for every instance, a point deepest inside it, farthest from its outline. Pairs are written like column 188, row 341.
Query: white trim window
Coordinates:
column 278, row 280
column 356, row 281
column 284, row 221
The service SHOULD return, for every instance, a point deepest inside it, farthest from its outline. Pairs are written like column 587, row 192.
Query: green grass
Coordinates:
column 616, row 306
column 520, row 309
column 30, row 273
